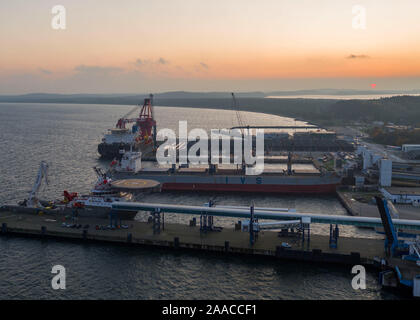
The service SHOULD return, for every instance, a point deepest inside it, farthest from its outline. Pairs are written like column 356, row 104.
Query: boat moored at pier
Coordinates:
column 141, row 136
column 98, row 203
column 221, row 179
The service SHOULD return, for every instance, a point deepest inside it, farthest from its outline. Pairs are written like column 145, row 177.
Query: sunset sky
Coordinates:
column 136, row 46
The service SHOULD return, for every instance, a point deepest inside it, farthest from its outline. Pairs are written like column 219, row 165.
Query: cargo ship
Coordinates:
column 221, row 179
column 140, row 137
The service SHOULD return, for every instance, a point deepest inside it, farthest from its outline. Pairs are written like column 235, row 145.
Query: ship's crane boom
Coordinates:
column 240, row 122
column 131, row 112
column 42, row 175
column 145, row 121
column 238, row 114
column 151, row 106
column 99, row 172
column 123, row 120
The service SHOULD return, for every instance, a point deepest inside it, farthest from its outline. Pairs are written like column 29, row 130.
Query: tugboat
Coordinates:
column 96, row 204
column 99, row 202
column 140, row 137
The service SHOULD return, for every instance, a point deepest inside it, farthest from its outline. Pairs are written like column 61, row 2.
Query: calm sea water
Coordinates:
column 67, row 137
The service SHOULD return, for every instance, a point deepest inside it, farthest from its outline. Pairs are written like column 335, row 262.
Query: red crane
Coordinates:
column 122, row 121
column 145, row 121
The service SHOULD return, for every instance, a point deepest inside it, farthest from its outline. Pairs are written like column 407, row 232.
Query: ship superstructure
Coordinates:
column 141, row 135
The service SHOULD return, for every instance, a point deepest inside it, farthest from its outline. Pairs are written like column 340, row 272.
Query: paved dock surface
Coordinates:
column 357, row 208
column 268, row 243
column 408, row 268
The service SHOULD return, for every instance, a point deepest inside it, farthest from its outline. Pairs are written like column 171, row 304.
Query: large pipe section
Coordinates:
column 265, row 214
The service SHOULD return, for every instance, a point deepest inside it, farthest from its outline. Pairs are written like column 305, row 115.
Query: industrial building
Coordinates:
column 402, row 195
column 410, row 147
column 389, row 166
column 308, row 141
column 411, row 151
column 385, row 173
column 376, row 161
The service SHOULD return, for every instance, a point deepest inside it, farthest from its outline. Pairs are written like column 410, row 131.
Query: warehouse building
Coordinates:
column 402, row 195
column 410, row 147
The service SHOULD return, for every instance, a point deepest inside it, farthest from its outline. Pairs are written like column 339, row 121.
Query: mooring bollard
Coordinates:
column 193, row 222
column 227, row 245
column 129, row 237
column 317, row 253
column 4, row 228
column 279, row 251
column 176, row 242
column 355, row 257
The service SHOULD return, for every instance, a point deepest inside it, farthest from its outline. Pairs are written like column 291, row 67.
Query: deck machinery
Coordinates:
column 141, row 136
column 145, row 122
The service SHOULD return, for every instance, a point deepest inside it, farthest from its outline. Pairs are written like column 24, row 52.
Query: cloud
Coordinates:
column 355, row 56
column 44, row 71
column 201, row 67
column 96, row 69
column 139, row 62
column 162, row 61
column 151, row 63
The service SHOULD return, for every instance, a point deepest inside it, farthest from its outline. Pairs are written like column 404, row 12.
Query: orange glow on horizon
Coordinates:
column 236, row 39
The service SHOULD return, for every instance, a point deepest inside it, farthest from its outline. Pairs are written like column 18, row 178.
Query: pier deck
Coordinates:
column 357, row 208
column 176, row 236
